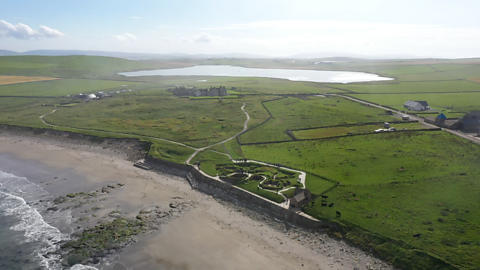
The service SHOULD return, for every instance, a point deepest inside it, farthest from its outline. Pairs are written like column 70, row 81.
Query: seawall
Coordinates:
column 232, row 193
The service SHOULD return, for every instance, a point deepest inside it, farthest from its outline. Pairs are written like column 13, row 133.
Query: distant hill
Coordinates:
column 74, row 66
column 130, row 56
column 6, row 52
column 171, row 56
column 351, row 55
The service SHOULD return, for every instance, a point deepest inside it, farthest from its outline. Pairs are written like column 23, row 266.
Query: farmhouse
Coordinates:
column 442, row 121
column 302, row 196
column 416, row 105
column 470, row 122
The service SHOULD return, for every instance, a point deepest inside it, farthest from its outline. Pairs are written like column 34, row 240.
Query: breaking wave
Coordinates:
column 25, row 200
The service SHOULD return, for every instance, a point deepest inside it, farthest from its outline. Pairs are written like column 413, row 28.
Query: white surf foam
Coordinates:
column 24, row 199
column 82, row 267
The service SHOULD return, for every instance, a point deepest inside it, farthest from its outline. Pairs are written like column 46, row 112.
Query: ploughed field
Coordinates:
column 387, row 187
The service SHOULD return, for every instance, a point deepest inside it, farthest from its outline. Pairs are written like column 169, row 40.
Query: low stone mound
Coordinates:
column 256, row 177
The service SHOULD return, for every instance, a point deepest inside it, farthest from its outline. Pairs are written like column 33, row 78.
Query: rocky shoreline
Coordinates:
column 116, row 230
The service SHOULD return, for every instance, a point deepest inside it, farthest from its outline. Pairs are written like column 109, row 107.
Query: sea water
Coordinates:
column 30, row 234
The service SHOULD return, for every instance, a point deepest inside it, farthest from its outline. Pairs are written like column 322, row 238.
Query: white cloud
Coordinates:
column 23, row 31
column 126, row 37
column 207, row 38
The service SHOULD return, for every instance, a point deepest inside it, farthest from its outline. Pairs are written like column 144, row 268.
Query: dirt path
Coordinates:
column 245, row 126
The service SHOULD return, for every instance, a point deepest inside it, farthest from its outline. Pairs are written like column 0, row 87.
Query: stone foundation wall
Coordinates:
column 232, row 193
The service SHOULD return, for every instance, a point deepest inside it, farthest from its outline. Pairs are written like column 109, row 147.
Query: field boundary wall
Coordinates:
column 268, row 119
column 358, row 124
column 342, row 136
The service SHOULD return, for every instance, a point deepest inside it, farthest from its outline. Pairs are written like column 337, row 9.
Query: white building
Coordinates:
column 416, row 105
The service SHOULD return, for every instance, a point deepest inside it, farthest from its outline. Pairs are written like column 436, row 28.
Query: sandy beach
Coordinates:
column 207, row 233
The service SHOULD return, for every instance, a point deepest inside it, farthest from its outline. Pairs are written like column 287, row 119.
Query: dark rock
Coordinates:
column 60, row 199
column 115, row 215
column 141, row 217
column 53, row 208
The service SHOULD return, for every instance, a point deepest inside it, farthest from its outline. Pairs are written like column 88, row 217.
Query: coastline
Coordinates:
column 211, row 234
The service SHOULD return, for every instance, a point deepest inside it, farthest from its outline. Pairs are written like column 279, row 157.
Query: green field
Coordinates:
column 460, row 102
column 197, row 123
column 65, row 87
column 26, row 111
column 170, row 151
column 209, row 160
column 234, row 149
column 401, row 187
column 372, row 159
column 417, row 87
column 349, row 130
column 296, row 113
column 217, row 98
column 76, row 66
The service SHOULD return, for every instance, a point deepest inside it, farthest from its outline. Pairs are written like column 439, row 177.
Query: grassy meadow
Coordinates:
column 196, row 123
column 75, row 66
column 395, row 185
column 209, row 160
column 456, row 86
column 460, row 102
column 350, row 130
column 297, row 113
column 170, row 151
column 59, row 88
column 374, row 159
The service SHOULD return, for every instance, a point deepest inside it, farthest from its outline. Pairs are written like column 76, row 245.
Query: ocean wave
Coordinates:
column 82, row 267
column 24, row 199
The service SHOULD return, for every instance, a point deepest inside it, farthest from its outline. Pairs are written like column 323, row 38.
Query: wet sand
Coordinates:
column 213, row 235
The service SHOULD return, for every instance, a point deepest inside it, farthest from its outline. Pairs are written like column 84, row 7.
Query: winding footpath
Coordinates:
column 245, row 126
column 302, row 175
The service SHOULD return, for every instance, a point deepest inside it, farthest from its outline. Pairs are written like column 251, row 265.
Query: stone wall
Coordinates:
column 232, row 193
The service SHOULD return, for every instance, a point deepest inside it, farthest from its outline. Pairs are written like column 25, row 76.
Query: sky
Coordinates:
column 426, row 28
